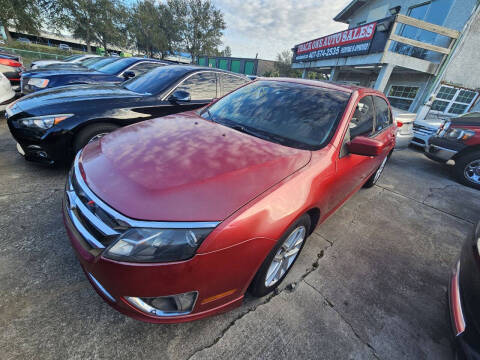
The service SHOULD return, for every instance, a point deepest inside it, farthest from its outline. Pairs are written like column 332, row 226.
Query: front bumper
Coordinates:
column 439, row 153
column 46, row 148
column 220, row 278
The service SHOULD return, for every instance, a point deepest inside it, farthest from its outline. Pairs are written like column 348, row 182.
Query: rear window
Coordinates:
column 292, row 114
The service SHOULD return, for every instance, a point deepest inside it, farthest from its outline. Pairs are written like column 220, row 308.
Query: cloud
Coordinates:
column 268, row 27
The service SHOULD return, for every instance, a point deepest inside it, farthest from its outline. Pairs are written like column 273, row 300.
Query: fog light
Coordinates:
column 173, row 305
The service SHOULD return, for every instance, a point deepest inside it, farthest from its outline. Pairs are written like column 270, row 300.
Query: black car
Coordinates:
column 11, row 66
column 117, row 71
column 52, row 125
column 464, row 299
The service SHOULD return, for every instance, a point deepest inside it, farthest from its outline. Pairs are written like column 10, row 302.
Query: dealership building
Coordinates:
column 422, row 54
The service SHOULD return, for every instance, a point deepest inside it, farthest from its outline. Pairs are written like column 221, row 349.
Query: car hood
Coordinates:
column 430, row 123
column 184, row 168
column 68, row 94
column 49, row 72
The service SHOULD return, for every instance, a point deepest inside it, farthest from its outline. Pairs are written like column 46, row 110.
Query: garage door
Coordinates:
column 249, row 68
column 235, row 66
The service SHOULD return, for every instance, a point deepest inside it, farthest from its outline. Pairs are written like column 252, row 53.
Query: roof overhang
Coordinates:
column 347, row 12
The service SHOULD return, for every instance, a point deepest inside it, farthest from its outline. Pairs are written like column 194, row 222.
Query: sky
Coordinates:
column 268, row 27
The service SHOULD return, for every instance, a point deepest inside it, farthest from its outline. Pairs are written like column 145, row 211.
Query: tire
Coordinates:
column 90, row 132
column 266, row 281
column 467, row 169
column 377, row 174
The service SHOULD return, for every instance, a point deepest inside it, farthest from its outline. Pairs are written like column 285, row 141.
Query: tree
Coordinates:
column 283, row 65
column 25, row 15
column 153, row 29
column 201, row 25
column 101, row 21
column 227, row 52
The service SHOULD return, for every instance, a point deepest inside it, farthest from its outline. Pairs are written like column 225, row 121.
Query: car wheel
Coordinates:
column 376, row 175
column 281, row 258
column 467, row 169
column 92, row 133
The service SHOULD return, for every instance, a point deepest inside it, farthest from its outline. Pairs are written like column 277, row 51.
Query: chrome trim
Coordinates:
column 138, row 223
column 101, row 288
column 141, row 305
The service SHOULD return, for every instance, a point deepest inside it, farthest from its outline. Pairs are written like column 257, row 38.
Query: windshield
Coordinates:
column 90, row 61
column 102, row 63
column 155, row 81
column 73, row 57
column 291, row 114
column 116, row 66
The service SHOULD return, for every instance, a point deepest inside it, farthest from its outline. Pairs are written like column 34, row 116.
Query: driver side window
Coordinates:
column 362, row 120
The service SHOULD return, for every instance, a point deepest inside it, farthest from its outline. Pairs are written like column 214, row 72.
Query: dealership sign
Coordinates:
column 351, row 42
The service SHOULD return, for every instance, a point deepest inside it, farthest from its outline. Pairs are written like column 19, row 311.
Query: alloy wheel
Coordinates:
column 96, row 137
column 285, row 256
column 472, row 171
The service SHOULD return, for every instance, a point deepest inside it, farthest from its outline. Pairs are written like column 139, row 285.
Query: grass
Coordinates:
column 31, row 52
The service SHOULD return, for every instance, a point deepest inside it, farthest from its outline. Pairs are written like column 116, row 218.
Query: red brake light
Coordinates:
column 10, row 62
column 399, row 124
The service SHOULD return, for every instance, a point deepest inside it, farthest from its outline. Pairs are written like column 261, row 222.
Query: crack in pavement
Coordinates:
column 289, row 288
column 52, row 190
column 345, row 320
column 427, row 205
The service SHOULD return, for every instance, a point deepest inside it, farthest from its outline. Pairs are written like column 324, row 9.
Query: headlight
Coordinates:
column 457, row 134
column 43, row 122
column 156, row 245
column 37, row 82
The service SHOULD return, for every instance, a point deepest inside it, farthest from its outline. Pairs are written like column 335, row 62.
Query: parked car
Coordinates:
column 95, row 110
column 12, row 67
column 464, row 298
column 423, row 130
column 117, row 71
column 6, row 92
column 457, row 143
column 64, row 47
column 74, row 59
column 173, row 219
column 82, row 65
column 404, row 121
column 24, row 40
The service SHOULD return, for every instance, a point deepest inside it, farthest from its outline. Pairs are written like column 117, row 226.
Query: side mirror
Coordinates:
column 180, row 96
column 128, row 75
column 365, row 146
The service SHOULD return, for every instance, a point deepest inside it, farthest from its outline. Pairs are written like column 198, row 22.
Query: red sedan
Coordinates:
column 174, row 219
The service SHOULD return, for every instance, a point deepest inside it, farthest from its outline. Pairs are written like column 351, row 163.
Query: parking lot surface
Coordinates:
column 370, row 283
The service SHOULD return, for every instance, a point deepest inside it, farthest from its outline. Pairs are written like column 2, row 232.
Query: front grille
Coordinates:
column 88, row 215
column 423, row 130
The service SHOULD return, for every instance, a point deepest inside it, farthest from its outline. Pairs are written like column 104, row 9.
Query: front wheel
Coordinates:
column 282, row 257
column 92, row 133
column 467, row 169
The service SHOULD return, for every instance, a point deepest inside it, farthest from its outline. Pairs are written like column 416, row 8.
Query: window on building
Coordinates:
column 402, row 97
column 453, row 101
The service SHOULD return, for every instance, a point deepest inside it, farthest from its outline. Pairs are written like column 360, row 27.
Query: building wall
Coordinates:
column 463, row 68
column 457, row 15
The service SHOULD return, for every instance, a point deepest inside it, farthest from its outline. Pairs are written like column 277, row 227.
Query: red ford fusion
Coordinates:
column 175, row 219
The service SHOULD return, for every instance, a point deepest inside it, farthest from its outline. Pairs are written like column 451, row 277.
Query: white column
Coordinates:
column 333, row 74
column 383, row 77
column 304, row 73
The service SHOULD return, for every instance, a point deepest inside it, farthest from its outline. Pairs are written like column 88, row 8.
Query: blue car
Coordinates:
column 107, row 71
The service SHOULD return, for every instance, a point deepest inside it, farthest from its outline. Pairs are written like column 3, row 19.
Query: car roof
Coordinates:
column 325, row 84
column 193, row 68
